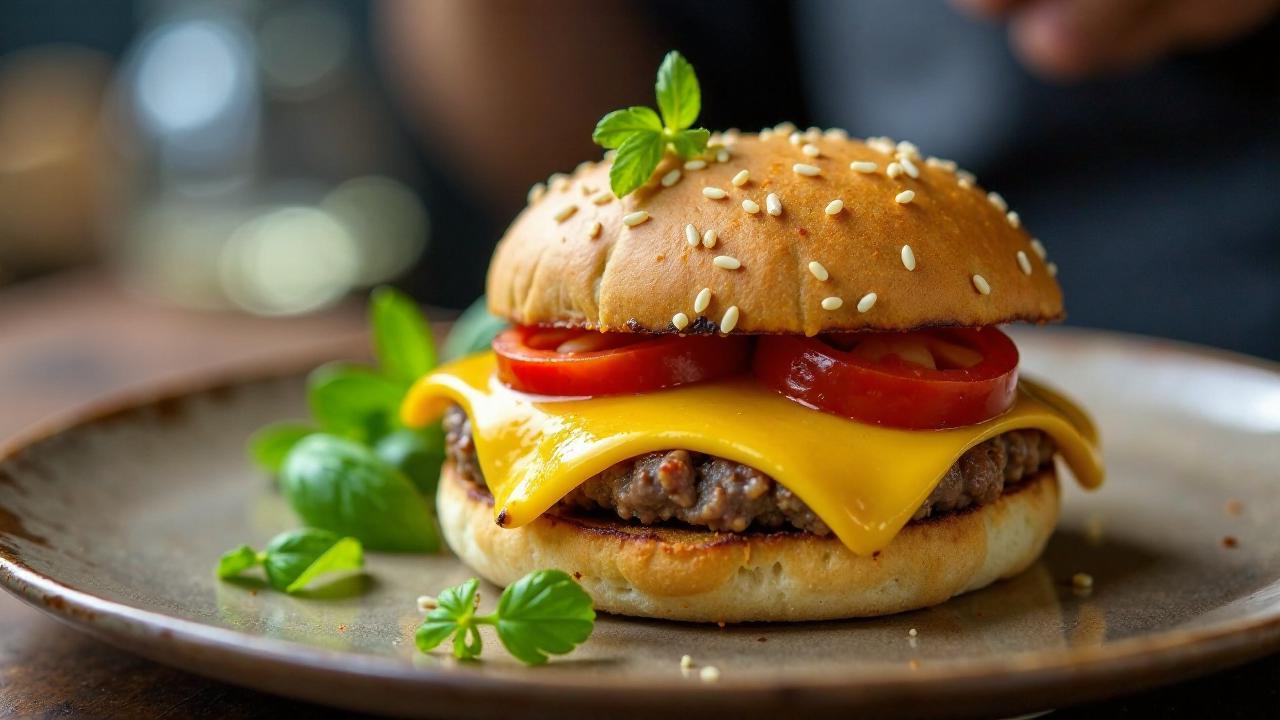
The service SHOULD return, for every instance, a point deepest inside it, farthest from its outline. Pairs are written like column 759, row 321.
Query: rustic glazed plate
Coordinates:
column 113, row 523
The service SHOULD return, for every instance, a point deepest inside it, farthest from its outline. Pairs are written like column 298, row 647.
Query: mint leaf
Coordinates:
column 269, row 445
column 353, row 401
column 418, row 454
column 679, row 97
column 635, row 163
column 689, row 143
column 401, row 335
column 544, row 613
column 455, row 613
column 234, row 562
column 293, row 559
column 614, row 128
column 474, row 331
column 340, row 485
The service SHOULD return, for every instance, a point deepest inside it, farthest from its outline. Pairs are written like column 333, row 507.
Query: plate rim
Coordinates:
column 1145, row 661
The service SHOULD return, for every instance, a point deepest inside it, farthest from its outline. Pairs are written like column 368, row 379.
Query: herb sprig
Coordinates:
column 641, row 137
column 294, row 559
column 543, row 613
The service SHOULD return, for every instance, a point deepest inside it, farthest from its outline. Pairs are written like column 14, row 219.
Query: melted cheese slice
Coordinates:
column 864, row 481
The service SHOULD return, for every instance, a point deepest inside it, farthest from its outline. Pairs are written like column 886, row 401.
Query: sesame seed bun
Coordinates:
column 675, row 573
column 635, row 271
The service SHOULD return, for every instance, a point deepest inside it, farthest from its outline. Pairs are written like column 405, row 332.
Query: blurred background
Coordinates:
column 251, row 159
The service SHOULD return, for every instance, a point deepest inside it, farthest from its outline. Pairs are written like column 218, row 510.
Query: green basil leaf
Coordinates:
column 614, row 128
column 401, row 336
column 454, row 611
column 635, row 163
column 341, row 486
column 234, row 562
column 691, row 143
column 269, row 445
column 416, row 453
column 543, row 613
column 295, row 558
column 474, row 331
column 679, row 97
column 353, row 401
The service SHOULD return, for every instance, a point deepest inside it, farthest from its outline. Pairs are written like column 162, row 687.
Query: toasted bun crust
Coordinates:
column 684, row 574
column 550, row 270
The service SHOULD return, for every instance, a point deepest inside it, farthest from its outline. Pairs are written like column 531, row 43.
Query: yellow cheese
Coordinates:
column 864, row 481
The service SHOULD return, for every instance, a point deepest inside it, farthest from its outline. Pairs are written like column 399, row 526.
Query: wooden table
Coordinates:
column 74, row 338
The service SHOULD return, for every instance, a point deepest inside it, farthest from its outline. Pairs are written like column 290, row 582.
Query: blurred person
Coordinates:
column 1140, row 139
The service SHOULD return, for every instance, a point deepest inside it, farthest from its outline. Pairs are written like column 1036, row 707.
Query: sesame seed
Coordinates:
column 994, row 198
column 1024, row 263
column 680, row 321
column 709, row 238
column 909, row 149
column 1013, row 219
column 635, row 218
column 835, row 206
column 818, row 270
column 836, row 134
column 588, row 190
column 602, row 199
column 908, row 257
column 784, row 127
column 832, row 303
column 912, row 632
column 966, row 176
column 965, row 183
column 691, row 235
column 1038, row 247
column 714, row 193
column 773, row 204
column 565, row 212
column 982, row 285
column 941, row 164
column 686, row 662
column 1081, row 580
column 709, row 674
column 536, row 192
column 426, row 603
column 812, row 133
column 722, row 155
column 905, row 197
column 863, row 166
column 1052, row 268
column 811, row 150
column 806, row 169
column 750, row 206
column 558, row 182
column 726, row 262
column 741, row 178
column 671, row 178
column 703, row 299
column 695, row 164
column 593, row 232
column 766, row 134
column 730, row 319
column 867, row 302
column 795, row 138
column 912, row 171
column 881, row 144
column 894, row 170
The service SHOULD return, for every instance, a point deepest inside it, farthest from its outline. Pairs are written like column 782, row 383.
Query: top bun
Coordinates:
column 572, row 259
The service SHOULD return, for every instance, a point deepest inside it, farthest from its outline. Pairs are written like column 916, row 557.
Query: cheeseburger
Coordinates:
column 768, row 385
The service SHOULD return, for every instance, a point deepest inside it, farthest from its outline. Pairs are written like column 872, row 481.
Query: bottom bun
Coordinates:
column 680, row 573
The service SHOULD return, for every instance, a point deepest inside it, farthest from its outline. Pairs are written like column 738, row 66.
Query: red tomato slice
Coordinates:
column 581, row 362
column 928, row 379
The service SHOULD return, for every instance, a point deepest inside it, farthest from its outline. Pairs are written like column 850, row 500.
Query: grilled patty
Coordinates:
column 724, row 495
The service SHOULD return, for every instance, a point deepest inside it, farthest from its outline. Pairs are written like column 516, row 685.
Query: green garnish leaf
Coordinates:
column 641, row 137
column 474, row 331
column 295, row 558
column 679, row 97
column 269, row 445
column 353, row 401
column 418, row 453
column 342, row 486
column 401, row 336
column 234, row 562
column 543, row 613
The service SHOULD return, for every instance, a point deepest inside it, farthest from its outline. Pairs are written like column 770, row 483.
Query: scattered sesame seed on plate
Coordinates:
column 565, row 213
column 702, row 300
column 593, row 232
column 773, row 204
column 863, row 166
column 894, row 170
column 1024, row 263
column 818, row 270
column 997, row 199
column 714, row 193
column 981, row 284
column 867, row 302
column 811, row 150
column 908, row 257
column 426, row 603
column 806, row 169
column 709, row 238
column 832, row 303
column 695, row 164
column 910, row 167
column 726, row 262
column 1014, row 219
column 727, row 323
column 671, row 178
column 905, row 197
column 536, row 192
column 750, row 206
column 835, row 207
column 691, row 235
column 686, row 662
column 680, row 321
column 741, row 178
column 635, row 218
column 913, row 632
column 1038, row 247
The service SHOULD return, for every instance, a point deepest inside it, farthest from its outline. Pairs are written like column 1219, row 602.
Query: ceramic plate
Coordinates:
column 113, row 523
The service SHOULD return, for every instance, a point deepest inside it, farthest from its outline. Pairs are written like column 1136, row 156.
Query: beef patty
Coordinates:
column 725, row 495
